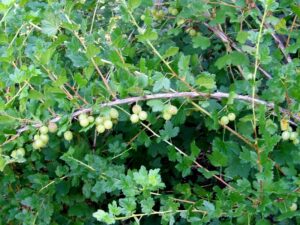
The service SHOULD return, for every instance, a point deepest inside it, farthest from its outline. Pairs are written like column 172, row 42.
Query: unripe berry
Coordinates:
column 108, row 124
column 52, row 127
column 34, row 146
column 134, row 118
column 143, row 17
column 84, row 122
column 114, row 114
column 143, row 115
column 224, row 120
column 285, row 135
column 36, row 137
column 296, row 141
column 68, row 135
column 82, row 116
column 136, row 109
column 100, row 128
column 21, row 151
column 174, row 12
column 43, row 130
column 192, row 32
column 231, row 116
column 91, row 119
column 293, row 207
column 284, row 124
column 167, row 116
column 14, row 154
column 99, row 120
column 172, row 110
column 39, row 143
column 180, row 22
column 293, row 136
column 44, row 138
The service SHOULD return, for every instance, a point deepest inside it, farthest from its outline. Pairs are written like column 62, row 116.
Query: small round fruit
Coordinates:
column 285, row 135
column 180, row 22
column 296, row 141
column 91, row 119
column 44, row 138
column 36, row 137
column 172, row 110
column 34, row 146
column 100, row 128
column 192, row 32
column 174, row 12
column 82, row 116
column 21, row 151
column 136, row 109
column 44, row 130
column 134, row 118
column 231, row 116
column 167, row 116
column 99, row 120
column 39, row 143
column 114, row 114
column 143, row 115
column 293, row 136
column 143, row 17
column 84, row 122
column 293, row 207
column 224, row 120
column 108, row 124
column 52, row 127
column 14, row 154
column 68, row 135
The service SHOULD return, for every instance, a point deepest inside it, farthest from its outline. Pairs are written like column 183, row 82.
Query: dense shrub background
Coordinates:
column 59, row 59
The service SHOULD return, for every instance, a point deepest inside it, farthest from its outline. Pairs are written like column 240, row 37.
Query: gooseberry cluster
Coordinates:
column 138, row 114
column 226, row 119
column 18, row 153
column 287, row 132
column 41, row 139
column 106, row 122
column 169, row 111
column 85, row 120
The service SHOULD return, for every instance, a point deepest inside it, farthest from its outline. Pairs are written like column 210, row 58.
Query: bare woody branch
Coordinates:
column 130, row 100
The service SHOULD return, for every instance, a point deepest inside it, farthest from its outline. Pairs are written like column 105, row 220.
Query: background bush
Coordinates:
column 230, row 155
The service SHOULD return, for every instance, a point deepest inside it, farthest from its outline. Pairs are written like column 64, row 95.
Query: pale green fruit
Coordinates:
column 36, row 137
column 52, row 127
column 134, row 118
column 21, row 151
column 143, row 115
column 43, row 130
column 231, row 116
column 44, row 138
column 285, row 135
column 167, row 116
column 224, row 120
column 84, row 122
column 171, row 109
column 293, row 136
column 136, row 109
column 14, row 154
column 39, row 143
column 68, row 135
column 296, row 141
column 34, row 146
column 99, row 120
column 293, row 207
column 108, row 124
column 114, row 114
column 100, row 128
column 82, row 116
column 143, row 17
column 192, row 32
column 180, row 22
column 91, row 119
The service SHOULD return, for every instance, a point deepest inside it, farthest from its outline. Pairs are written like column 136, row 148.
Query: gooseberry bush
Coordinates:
column 149, row 112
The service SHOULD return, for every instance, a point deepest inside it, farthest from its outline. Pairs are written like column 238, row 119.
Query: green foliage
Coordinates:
column 149, row 112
